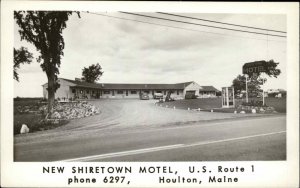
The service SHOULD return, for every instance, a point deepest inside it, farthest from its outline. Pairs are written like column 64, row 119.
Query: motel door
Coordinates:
column 98, row 94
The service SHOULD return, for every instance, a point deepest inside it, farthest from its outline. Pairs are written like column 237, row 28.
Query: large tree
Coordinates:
column 272, row 70
column 254, row 82
column 239, row 84
column 92, row 73
column 21, row 56
column 44, row 30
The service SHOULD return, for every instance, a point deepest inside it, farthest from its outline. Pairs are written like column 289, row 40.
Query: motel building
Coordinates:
column 78, row 89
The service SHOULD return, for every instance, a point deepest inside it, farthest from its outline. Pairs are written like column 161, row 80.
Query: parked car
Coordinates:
column 158, row 96
column 144, row 96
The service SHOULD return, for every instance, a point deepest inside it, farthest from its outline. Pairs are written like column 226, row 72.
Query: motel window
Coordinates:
column 177, row 92
column 106, row 92
column 133, row 92
column 88, row 92
column 119, row 92
column 93, row 92
column 73, row 90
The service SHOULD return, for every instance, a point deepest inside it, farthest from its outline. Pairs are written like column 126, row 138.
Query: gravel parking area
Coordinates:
column 139, row 113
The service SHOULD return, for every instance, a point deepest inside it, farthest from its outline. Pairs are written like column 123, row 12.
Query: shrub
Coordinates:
column 17, row 98
column 253, row 103
column 43, row 100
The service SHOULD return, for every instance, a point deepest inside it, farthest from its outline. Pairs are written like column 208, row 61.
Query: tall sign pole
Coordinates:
column 246, row 88
column 263, row 92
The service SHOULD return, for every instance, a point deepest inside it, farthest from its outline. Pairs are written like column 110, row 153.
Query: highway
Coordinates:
column 229, row 139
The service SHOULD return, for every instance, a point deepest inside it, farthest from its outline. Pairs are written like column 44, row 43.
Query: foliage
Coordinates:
column 254, row 82
column 92, row 73
column 272, row 68
column 44, row 30
column 21, row 56
column 253, row 103
column 239, row 84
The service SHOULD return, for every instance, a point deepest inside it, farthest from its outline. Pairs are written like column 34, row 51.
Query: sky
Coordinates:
column 134, row 52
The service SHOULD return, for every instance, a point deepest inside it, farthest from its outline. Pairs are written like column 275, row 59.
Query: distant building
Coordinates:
column 207, row 91
column 276, row 93
column 82, row 90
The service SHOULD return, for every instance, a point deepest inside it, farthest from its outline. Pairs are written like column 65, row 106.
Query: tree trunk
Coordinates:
column 51, row 93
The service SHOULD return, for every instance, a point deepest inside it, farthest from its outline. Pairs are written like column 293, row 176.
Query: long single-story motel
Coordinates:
column 79, row 89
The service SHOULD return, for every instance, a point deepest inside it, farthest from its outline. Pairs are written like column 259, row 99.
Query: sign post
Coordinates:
column 246, row 88
column 263, row 90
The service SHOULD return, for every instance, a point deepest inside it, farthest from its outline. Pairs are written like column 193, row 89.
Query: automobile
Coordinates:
column 158, row 96
column 144, row 96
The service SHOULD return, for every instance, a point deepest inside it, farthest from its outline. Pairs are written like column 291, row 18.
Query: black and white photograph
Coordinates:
column 149, row 86
column 96, row 85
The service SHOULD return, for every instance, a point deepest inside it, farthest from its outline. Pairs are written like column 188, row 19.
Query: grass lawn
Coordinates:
column 26, row 101
column 278, row 103
column 32, row 120
column 210, row 103
column 204, row 103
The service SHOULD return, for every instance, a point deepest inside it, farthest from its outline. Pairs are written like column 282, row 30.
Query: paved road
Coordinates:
column 155, row 135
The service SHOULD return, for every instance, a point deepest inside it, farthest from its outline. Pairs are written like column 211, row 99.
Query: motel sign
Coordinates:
column 254, row 67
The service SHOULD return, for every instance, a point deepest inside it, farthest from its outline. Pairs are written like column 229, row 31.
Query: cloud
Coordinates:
column 127, row 28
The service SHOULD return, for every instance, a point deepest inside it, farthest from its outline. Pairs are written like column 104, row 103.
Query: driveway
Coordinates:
column 125, row 114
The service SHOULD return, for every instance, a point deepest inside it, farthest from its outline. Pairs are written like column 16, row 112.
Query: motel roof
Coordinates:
column 127, row 86
column 208, row 88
